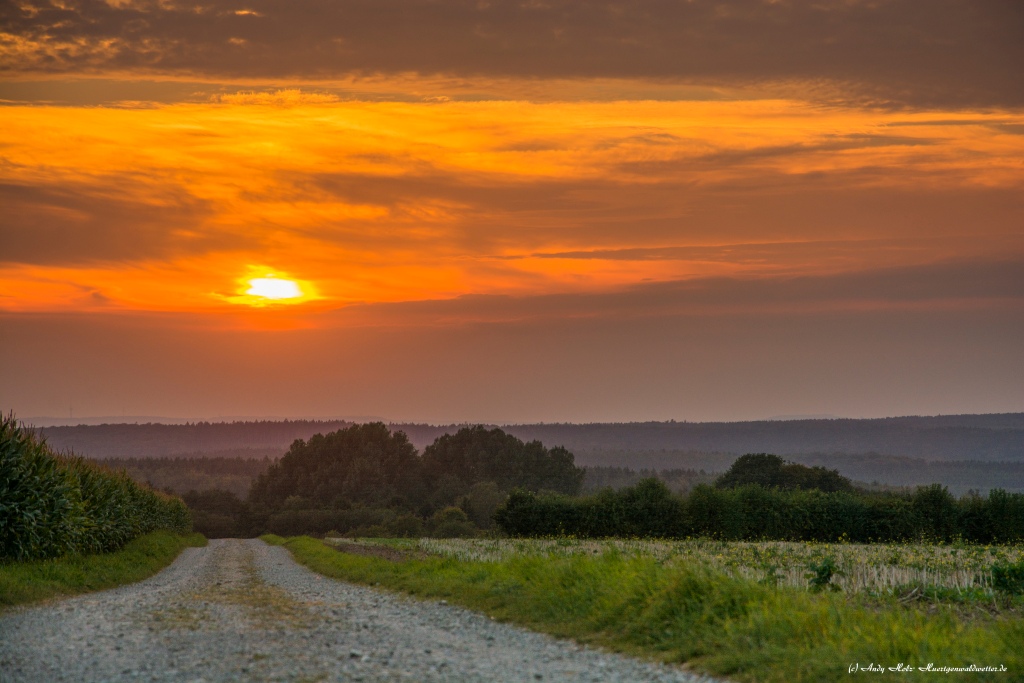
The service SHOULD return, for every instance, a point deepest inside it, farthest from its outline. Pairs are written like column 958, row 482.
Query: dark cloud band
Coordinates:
column 928, row 52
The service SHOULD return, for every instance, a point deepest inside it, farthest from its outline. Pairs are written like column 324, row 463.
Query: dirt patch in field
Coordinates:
column 383, row 552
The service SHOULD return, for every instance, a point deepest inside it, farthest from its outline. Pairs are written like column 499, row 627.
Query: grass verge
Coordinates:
column 682, row 613
column 24, row 582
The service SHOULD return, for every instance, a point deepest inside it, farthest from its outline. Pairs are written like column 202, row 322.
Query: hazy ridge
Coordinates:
column 994, row 437
column 963, row 452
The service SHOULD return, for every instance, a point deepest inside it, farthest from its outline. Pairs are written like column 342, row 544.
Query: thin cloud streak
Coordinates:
column 947, row 286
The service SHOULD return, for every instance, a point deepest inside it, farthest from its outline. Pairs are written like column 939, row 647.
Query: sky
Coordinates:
column 533, row 211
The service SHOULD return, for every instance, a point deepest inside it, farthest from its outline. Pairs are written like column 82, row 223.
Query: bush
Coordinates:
column 53, row 505
column 451, row 522
column 480, row 504
column 405, row 526
column 771, row 471
column 1008, row 578
column 321, row 520
column 820, row 575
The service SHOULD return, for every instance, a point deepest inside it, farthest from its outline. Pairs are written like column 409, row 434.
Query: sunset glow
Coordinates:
column 325, row 169
column 398, row 202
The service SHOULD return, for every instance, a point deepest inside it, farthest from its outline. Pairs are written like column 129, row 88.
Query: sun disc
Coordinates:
column 273, row 288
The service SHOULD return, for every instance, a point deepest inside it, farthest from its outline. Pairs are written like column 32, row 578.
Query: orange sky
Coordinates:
column 174, row 207
column 476, row 173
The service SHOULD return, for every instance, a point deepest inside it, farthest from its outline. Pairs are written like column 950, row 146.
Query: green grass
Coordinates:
column 681, row 612
column 24, row 582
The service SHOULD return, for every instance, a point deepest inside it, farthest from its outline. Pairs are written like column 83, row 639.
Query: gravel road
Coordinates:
column 245, row 611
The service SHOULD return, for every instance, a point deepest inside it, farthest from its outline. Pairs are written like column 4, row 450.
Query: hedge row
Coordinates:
column 53, row 505
column 752, row 512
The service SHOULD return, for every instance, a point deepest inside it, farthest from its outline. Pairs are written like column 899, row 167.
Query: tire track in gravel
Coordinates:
column 240, row 610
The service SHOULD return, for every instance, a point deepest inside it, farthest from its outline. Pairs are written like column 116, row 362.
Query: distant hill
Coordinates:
column 998, row 437
column 160, row 440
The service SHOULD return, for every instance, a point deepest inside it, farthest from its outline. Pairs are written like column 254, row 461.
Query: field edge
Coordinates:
column 24, row 583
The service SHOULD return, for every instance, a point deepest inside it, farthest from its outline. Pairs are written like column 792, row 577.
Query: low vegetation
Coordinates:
column 23, row 582
column 54, row 505
column 764, row 498
column 960, row 572
column 669, row 602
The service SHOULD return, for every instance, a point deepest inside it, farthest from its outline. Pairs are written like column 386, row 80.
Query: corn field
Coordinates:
column 53, row 505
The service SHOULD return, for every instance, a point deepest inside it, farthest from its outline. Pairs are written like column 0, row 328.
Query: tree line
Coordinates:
column 763, row 497
column 369, row 480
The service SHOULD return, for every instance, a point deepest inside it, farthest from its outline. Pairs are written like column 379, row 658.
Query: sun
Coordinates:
column 263, row 287
column 274, row 288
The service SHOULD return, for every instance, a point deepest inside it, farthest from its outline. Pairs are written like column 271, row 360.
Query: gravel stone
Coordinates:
column 241, row 610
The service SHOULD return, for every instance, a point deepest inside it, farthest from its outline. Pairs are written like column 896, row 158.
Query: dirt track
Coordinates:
column 245, row 611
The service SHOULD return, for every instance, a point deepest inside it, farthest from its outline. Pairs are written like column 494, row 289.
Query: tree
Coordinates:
column 455, row 462
column 771, row 471
column 755, row 468
column 365, row 464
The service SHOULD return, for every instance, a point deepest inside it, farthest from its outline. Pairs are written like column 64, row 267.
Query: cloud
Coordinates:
column 116, row 219
column 950, row 285
column 922, row 52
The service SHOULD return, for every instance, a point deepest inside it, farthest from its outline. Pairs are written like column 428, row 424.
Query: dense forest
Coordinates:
column 944, row 438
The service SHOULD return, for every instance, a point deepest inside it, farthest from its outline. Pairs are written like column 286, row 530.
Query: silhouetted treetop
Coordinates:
column 771, row 471
column 454, row 462
column 364, row 463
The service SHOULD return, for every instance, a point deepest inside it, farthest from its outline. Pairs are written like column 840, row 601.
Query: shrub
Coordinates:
column 821, row 573
column 1008, row 578
column 771, row 471
column 451, row 522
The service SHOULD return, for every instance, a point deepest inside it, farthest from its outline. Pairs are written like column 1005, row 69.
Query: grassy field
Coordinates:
column 709, row 605
column 24, row 582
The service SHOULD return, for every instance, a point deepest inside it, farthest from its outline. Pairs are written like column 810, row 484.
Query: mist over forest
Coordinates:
column 963, row 452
